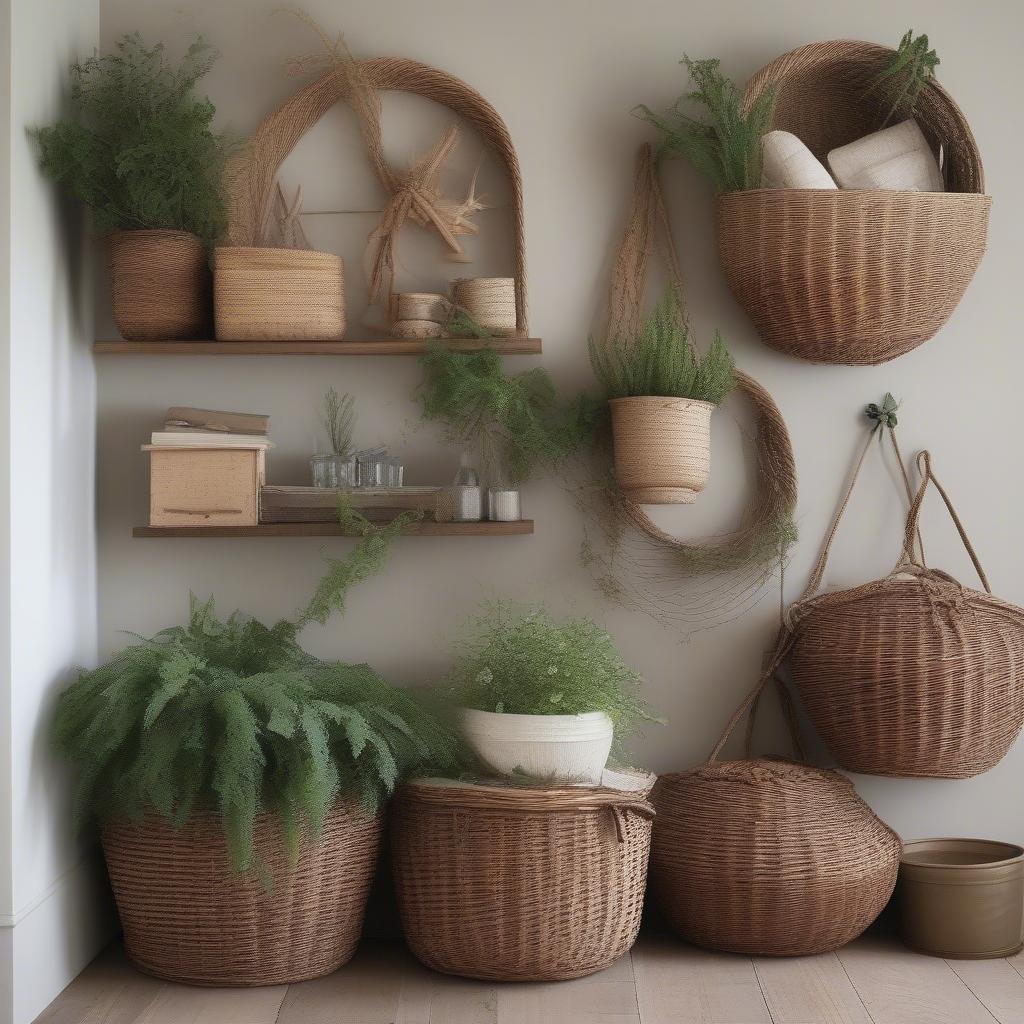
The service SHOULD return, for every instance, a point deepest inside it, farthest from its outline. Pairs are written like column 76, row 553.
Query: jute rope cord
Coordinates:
column 623, row 539
column 520, row 884
column 913, row 674
column 188, row 916
column 414, row 194
column 850, row 276
column 768, row 857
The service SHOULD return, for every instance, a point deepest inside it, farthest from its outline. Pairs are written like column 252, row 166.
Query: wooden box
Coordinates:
column 205, row 486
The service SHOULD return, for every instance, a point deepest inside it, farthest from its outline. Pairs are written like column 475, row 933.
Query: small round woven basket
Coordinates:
column 519, row 884
column 161, row 285
column 189, row 917
column 278, row 294
column 849, row 276
column 662, row 448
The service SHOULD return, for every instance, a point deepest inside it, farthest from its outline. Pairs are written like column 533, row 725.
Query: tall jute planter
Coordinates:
column 851, row 276
column 188, row 916
column 662, row 448
column 161, row 285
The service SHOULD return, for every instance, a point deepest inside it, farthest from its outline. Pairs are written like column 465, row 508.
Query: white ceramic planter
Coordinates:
column 566, row 748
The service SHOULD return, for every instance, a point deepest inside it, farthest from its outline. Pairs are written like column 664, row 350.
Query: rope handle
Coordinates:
column 619, row 812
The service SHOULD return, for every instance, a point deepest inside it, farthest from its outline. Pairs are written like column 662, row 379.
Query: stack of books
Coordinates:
column 211, row 428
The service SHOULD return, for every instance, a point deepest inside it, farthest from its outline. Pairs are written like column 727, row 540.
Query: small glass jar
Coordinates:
column 332, row 471
column 503, row 506
column 467, row 501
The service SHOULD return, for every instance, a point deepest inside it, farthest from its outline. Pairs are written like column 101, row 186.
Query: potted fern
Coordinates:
column 662, row 394
column 238, row 783
column 140, row 152
column 543, row 698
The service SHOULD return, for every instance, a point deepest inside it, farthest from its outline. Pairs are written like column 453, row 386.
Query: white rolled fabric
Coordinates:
column 787, row 163
column 897, row 158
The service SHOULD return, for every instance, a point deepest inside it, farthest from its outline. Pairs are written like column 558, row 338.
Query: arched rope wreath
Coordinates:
column 633, row 559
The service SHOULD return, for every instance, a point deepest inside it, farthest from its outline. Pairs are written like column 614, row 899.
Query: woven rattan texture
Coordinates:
column 161, row 285
column 853, row 277
column 189, row 917
column 768, row 858
column 519, row 885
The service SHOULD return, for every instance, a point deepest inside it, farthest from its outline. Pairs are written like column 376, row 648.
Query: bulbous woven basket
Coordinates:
column 769, row 858
column 520, row 884
column 914, row 674
column 849, row 276
column 189, row 917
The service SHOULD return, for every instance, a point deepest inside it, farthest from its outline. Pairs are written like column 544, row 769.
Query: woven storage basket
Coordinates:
column 161, row 285
column 768, row 857
column 914, row 674
column 278, row 294
column 848, row 276
column 520, row 884
column 662, row 448
column 189, row 917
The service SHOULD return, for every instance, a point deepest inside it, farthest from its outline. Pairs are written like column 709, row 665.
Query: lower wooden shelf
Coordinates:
column 425, row 529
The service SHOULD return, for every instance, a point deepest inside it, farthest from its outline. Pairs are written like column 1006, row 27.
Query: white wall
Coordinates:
column 54, row 907
column 565, row 76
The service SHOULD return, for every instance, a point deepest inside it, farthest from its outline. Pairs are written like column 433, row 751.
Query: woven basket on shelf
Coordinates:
column 161, row 285
column 519, row 884
column 914, row 674
column 278, row 294
column 768, row 857
column 849, row 276
column 490, row 301
column 662, row 448
column 188, row 916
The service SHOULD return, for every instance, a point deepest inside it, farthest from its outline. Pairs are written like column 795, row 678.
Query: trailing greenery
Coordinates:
column 461, row 325
column 235, row 716
column 522, row 661
column 727, row 145
column 516, row 421
column 904, row 77
column 139, row 150
column 661, row 360
column 339, row 421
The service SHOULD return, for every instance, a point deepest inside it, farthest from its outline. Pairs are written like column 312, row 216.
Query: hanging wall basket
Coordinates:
column 849, row 276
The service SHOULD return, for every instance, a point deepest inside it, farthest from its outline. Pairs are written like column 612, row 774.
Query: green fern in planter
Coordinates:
column 235, row 717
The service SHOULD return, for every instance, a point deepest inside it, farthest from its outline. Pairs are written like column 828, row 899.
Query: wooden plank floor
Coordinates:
column 872, row 981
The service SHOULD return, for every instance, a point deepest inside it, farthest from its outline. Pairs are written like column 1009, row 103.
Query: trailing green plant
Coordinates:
column 234, row 717
column 522, row 661
column 339, row 421
column 139, row 149
column 516, row 421
column 661, row 360
column 460, row 324
column 903, row 78
column 725, row 144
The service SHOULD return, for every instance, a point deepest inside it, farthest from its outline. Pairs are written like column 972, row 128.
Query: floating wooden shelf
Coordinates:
column 424, row 529
column 396, row 347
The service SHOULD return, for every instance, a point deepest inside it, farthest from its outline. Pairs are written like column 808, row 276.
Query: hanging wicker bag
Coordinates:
column 768, row 857
column 189, row 917
column 520, row 884
column 851, row 276
column 161, row 285
column 914, row 674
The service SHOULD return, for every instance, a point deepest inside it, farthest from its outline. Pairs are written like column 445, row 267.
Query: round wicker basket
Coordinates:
column 519, row 884
column 662, row 448
column 278, row 294
column 848, row 276
column 161, row 285
column 189, row 917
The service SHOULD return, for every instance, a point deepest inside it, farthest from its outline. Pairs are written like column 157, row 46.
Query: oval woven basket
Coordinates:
column 914, row 674
column 161, row 285
column 849, row 276
column 520, row 884
column 189, row 917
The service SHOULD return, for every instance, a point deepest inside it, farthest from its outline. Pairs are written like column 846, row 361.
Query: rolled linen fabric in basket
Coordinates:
column 897, row 159
column 787, row 163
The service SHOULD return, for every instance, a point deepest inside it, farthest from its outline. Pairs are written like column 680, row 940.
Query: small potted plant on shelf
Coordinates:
column 662, row 394
column 543, row 698
column 140, row 152
column 238, row 782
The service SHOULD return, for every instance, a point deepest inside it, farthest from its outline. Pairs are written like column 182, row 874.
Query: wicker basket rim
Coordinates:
column 784, row 772
column 278, row 252
column 525, row 799
column 672, row 400
column 856, row 196
column 153, row 233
